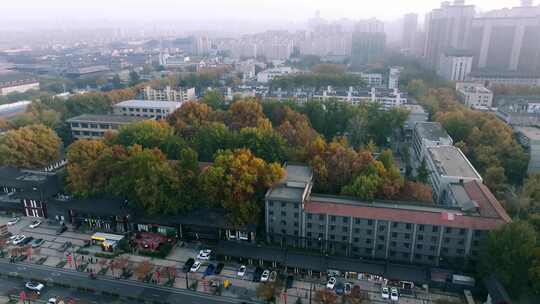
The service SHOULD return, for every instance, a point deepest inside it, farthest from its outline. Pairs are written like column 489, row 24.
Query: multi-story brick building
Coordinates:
column 390, row 230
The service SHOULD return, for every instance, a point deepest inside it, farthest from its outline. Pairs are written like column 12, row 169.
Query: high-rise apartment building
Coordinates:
column 410, row 28
column 447, row 27
column 368, row 43
column 507, row 39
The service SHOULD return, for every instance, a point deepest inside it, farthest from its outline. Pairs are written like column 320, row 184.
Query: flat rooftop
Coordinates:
column 431, row 131
column 137, row 103
column 121, row 119
column 450, row 161
column 292, row 187
column 532, row 133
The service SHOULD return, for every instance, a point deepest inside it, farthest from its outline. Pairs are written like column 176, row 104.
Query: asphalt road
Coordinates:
column 122, row 288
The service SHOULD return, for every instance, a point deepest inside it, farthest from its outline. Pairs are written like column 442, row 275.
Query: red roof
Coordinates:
column 488, row 205
column 449, row 218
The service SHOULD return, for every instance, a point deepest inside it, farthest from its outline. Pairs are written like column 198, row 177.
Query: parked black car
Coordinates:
column 289, row 281
column 188, row 264
column 26, row 241
column 61, row 229
column 257, row 274
column 219, row 268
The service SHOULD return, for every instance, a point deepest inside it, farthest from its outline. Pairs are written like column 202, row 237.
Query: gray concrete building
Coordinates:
column 146, row 108
column 507, row 39
column 410, row 27
column 386, row 230
column 448, row 165
column 447, row 27
column 368, row 43
column 455, row 65
column 428, row 134
column 90, row 126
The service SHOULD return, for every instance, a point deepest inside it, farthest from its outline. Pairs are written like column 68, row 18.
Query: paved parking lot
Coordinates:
column 240, row 286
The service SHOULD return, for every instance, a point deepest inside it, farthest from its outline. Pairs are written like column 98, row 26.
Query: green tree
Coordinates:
column 214, row 100
column 146, row 133
column 134, row 78
column 211, row 138
column 508, row 252
column 33, row 146
column 148, row 180
column 495, row 178
column 264, row 143
column 422, row 173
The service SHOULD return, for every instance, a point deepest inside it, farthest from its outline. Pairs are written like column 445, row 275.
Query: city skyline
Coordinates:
column 28, row 13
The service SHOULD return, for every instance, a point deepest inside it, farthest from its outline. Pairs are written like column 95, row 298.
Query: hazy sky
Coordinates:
column 150, row 10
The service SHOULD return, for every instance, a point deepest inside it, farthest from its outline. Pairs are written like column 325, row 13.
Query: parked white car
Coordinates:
column 195, row 266
column 385, row 293
column 19, row 239
column 35, row 224
column 34, row 286
column 204, row 254
column 394, row 295
column 13, row 221
column 265, row 275
column 331, row 283
column 242, row 271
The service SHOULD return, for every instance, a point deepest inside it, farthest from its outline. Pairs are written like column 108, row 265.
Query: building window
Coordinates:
column 435, row 229
column 393, row 244
column 381, row 237
column 283, row 204
column 309, row 225
column 345, row 220
column 394, row 234
column 344, row 238
column 308, row 235
column 270, row 212
column 380, row 247
column 296, row 215
column 309, row 216
column 332, row 227
column 394, row 224
column 448, row 230
column 419, row 246
column 333, row 218
column 283, row 213
column 357, row 221
column 421, row 227
column 370, row 222
column 332, row 237
column 345, row 229
column 369, row 231
column 381, row 228
column 407, row 236
column 408, row 226
column 270, row 203
column 420, row 237
column 295, row 224
column 368, row 241
column 356, row 240
column 321, row 217
column 283, row 223
column 462, row 231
